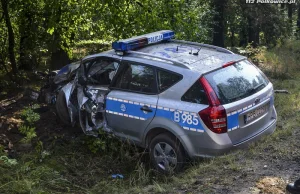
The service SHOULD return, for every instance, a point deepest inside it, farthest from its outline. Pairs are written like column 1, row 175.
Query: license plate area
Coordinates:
column 251, row 116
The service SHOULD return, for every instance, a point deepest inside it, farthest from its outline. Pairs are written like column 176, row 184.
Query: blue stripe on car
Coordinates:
column 132, row 110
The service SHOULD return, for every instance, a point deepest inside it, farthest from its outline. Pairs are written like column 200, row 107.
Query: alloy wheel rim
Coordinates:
column 165, row 156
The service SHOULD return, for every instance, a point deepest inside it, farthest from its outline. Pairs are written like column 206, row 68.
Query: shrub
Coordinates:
column 7, row 161
column 30, row 118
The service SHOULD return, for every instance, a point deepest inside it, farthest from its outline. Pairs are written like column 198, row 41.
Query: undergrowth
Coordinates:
column 30, row 118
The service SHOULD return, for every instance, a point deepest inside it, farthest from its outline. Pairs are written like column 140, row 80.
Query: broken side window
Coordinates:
column 99, row 71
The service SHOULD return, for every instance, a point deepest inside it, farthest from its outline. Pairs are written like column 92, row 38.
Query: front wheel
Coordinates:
column 62, row 109
column 167, row 154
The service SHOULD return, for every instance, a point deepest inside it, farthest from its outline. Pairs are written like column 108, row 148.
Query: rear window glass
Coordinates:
column 166, row 79
column 237, row 81
column 195, row 94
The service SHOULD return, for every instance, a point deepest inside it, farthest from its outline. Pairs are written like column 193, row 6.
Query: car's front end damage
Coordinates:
column 77, row 96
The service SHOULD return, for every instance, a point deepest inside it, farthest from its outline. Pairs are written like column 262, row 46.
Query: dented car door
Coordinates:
column 94, row 77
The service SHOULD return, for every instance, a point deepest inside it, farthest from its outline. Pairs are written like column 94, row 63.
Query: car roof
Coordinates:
column 182, row 54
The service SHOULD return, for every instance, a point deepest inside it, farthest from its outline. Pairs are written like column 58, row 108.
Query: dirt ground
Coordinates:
column 47, row 127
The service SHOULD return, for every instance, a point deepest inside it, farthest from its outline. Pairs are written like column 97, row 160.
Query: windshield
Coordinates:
column 237, row 81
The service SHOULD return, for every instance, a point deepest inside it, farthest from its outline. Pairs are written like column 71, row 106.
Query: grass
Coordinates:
column 70, row 166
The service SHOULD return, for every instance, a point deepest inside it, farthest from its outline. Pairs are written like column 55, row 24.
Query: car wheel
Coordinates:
column 62, row 109
column 167, row 154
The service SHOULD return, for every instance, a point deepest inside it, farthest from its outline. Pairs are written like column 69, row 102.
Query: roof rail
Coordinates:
column 220, row 49
column 162, row 58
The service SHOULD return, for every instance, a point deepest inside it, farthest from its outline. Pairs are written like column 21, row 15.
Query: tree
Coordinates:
column 219, row 23
column 31, row 32
column 11, row 37
column 290, row 13
column 298, row 22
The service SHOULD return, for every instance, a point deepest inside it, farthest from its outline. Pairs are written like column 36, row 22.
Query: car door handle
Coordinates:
column 146, row 108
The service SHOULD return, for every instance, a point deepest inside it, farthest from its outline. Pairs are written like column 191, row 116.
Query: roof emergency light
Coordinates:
column 140, row 41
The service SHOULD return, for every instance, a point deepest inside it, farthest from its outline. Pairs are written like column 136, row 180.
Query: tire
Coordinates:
column 62, row 109
column 160, row 160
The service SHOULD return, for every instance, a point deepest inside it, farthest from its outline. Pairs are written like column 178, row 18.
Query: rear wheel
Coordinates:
column 167, row 154
column 62, row 109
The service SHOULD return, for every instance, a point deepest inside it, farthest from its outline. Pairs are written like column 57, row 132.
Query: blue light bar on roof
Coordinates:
column 140, row 41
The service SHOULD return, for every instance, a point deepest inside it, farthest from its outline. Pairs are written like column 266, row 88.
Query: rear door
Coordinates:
column 247, row 96
column 131, row 104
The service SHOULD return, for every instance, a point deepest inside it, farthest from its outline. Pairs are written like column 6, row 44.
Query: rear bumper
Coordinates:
column 196, row 148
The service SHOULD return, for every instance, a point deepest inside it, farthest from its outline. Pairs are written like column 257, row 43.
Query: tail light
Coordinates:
column 214, row 117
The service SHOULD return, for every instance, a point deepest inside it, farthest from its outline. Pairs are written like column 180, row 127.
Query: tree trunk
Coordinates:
column 232, row 37
column 219, row 23
column 243, row 37
column 59, row 58
column 253, row 30
column 22, row 53
column 290, row 13
column 24, row 30
column 27, row 59
column 298, row 22
column 11, row 38
column 282, row 5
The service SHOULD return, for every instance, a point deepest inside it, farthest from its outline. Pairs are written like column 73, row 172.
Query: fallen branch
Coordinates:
column 281, row 91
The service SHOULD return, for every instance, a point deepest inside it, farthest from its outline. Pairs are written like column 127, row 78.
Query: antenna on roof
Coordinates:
column 197, row 51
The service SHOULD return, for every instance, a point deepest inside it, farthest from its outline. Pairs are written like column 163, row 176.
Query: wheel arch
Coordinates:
column 156, row 128
column 154, row 132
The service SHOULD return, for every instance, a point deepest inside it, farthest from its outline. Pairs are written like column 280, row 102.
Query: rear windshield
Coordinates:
column 237, row 81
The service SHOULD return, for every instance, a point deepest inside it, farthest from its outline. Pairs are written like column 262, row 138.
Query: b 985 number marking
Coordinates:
column 185, row 118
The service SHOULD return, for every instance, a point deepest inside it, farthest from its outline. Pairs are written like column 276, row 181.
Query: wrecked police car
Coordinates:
column 180, row 99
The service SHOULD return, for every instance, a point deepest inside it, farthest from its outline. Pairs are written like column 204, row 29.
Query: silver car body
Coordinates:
column 124, row 117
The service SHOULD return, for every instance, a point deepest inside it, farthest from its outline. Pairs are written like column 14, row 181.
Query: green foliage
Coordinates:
column 281, row 61
column 5, row 83
column 59, row 25
column 39, row 147
column 95, row 144
column 28, row 131
column 140, row 176
column 30, row 118
column 108, row 143
column 7, row 161
column 250, row 51
column 47, row 30
column 86, row 47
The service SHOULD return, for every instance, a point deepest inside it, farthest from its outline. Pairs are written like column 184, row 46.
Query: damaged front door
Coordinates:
column 94, row 77
column 131, row 103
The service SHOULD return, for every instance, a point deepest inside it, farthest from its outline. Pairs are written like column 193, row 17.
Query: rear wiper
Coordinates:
column 258, row 86
column 253, row 90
